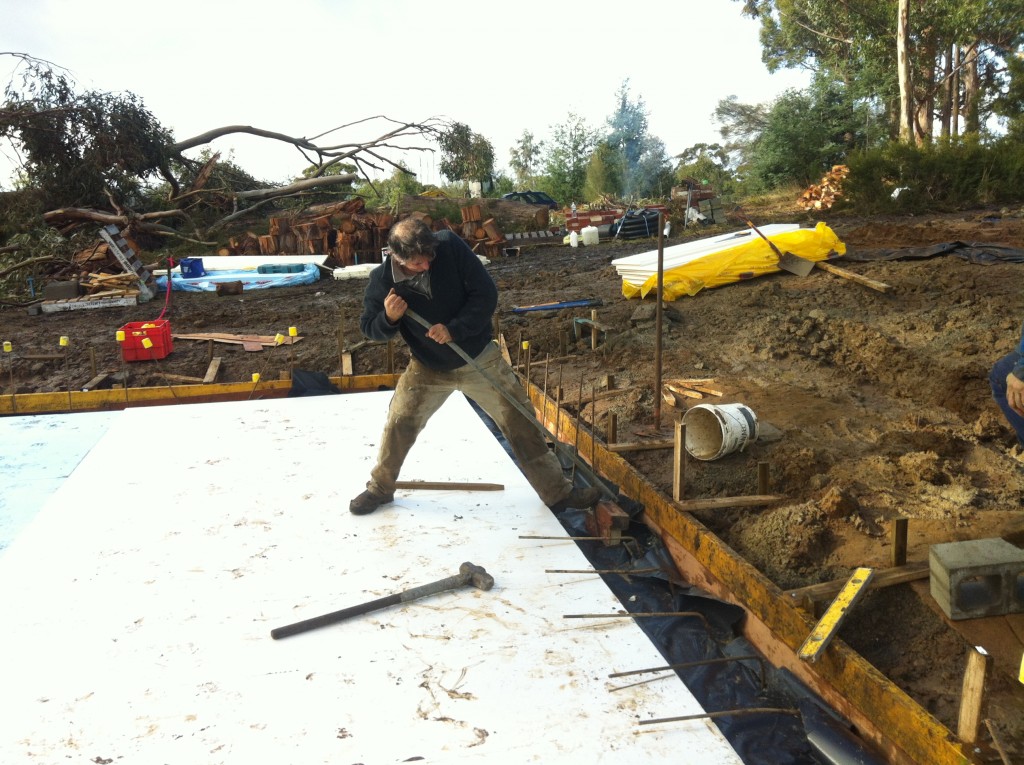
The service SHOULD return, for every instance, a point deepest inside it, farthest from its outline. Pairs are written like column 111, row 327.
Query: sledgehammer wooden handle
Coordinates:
column 469, row 573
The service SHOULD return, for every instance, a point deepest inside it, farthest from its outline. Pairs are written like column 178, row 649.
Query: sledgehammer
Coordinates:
column 469, row 573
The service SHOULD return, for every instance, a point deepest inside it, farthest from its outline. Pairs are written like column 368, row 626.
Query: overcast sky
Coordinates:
column 303, row 67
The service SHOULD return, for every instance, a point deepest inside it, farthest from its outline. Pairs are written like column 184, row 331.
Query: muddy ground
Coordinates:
column 882, row 401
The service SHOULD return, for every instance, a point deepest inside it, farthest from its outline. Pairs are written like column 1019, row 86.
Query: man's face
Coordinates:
column 417, row 264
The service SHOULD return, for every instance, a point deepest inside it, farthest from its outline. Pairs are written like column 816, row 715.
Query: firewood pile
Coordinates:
column 350, row 234
column 344, row 230
column 483, row 236
column 100, row 274
column 822, row 196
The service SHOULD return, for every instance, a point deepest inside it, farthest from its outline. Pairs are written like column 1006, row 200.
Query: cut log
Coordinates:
column 492, row 231
column 268, row 245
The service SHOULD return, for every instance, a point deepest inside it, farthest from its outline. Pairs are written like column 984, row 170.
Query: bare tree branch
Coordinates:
column 210, row 135
column 29, row 262
column 307, row 183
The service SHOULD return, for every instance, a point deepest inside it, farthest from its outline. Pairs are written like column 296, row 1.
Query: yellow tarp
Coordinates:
column 744, row 261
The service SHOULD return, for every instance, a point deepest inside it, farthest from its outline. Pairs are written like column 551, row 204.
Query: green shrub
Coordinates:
column 942, row 177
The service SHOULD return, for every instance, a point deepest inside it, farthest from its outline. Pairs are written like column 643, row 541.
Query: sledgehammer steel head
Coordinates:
column 478, row 576
column 469, row 573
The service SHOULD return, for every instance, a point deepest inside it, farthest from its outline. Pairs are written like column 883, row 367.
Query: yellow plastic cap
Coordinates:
column 7, row 346
column 255, row 377
column 293, row 332
column 147, row 343
column 120, row 336
column 64, row 341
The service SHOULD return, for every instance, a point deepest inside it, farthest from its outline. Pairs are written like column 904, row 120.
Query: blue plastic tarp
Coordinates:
column 251, row 279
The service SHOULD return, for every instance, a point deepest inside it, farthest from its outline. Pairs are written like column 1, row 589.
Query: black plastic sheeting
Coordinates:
column 982, row 253
column 813, row 735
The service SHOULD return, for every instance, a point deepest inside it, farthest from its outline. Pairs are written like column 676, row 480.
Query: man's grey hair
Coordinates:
column 411, row 237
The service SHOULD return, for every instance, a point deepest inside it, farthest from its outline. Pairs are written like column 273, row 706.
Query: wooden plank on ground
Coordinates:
column 640, row 446
column 213, row 370
column 882, row 578
column 97, row 381
column 180, row 378
column 448, row 486
column 714, row 503
column 248, row 342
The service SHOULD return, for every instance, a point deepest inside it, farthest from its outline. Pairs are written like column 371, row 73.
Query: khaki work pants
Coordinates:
column 421, row 392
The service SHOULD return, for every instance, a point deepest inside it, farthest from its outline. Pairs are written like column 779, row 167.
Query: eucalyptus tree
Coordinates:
column 955, row 54
column 465, row 155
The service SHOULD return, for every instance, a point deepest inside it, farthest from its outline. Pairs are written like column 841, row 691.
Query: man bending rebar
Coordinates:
column 437, row 276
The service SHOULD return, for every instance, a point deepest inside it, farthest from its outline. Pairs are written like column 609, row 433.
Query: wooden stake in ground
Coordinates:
column 899, row 541
column 973, row 694
column 658, row 317
column 64, row 343
column 763, row 478
column 679, row 461
column 8, row 348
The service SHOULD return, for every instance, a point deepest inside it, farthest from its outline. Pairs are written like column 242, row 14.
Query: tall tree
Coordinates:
column 652, row 175
column 604, row 174
column 567, row 156
column 906, row 129
column 856, row 43
column 78, row 146
column 740, row 126
column 627, row 135
column 525, row 158
column 465, row 155
column 706, row 163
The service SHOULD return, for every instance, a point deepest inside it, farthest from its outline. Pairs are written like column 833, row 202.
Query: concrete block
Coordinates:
column 61, row 290
column 976, row 578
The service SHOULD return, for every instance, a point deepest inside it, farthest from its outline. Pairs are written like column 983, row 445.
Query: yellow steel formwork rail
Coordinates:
column 121, row 398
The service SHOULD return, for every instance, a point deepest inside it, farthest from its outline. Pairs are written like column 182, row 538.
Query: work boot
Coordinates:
column 368, row 501
column 579, row 498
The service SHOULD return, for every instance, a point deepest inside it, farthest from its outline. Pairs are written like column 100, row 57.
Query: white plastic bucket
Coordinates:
column 715, row 430
column 590, row 235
